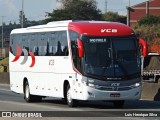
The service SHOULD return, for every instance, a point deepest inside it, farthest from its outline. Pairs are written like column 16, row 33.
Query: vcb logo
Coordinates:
column 115, row 84
column 109, row 30
column 25, row 52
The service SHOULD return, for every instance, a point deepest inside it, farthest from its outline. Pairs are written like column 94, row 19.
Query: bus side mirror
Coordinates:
column 144, row 47
column 80, row 48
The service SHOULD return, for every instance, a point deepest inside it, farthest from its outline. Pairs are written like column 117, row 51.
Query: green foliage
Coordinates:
column 76, row 10
column 150, row 33
column 115, row 17
column 149, row 20
column 4, row 61
column 148, row 29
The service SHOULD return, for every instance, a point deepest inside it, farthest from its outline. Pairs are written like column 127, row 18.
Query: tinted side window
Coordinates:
column 24, row 42
column 33, row 47
column 42, row 44
column 20, row 40
column 62, row 44
column 51, row 44
column 12, row 37
column 74, row 47
column 14, row 42
column 57, row 44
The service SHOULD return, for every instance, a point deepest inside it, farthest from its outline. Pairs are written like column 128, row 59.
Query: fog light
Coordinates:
column 90, row 94
column 91, row 85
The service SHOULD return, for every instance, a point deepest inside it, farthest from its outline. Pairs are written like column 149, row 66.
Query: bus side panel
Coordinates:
column 75, row 81
column 48, row 75
column 36, row 83
column 52, row 85
column 38, row 76
column 16, row 84
column 16, row 80
column 70, row 78
column 79, row 87
column 60, row 70
column 17, row 73
column 45, row 84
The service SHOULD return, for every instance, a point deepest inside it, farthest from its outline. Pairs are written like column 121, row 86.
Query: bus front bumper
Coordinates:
column 95, row 94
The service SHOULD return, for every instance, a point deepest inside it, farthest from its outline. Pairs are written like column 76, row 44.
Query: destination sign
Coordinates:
column 98, row 40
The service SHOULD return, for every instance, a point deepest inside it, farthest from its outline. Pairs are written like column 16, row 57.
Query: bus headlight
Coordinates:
column 85, row 81
column 137, row 85
column 91, row 85
column 88, row 82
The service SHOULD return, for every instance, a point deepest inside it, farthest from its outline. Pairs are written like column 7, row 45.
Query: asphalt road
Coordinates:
column 10, row 101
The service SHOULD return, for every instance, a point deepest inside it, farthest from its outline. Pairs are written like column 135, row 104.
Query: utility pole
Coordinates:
column 2, row 30
column 129, row 9
column 2, row 37
column 128, row 13
column 22, row 14
column 129, row 3
column 147, row 7
column 106, row 4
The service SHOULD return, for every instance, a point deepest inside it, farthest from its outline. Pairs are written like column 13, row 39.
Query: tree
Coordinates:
column 114, row 16
column 148, row 29
column 149, row 20
column 10, row 23
column 76, row 10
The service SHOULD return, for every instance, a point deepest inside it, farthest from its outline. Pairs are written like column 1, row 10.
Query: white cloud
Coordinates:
column 11, row 8
column 53, row 5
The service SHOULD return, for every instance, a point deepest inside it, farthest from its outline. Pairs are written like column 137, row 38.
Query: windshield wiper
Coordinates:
column 108, row 61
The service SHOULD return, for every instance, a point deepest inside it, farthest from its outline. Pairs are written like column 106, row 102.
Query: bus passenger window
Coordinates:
column 57, row 44
column 59, row 50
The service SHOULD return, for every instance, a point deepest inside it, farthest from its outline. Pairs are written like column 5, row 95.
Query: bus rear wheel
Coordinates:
column 28, row 97
column 71, row 102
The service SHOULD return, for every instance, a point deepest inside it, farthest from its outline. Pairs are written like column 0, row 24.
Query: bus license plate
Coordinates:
column 115, row 95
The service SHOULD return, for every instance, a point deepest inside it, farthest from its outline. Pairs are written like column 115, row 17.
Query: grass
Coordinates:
column 1, row 69
column 5, row 61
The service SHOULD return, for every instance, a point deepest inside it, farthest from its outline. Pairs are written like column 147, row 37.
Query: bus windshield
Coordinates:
column 111, row 57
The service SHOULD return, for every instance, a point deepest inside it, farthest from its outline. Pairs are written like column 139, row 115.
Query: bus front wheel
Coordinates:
column 71, row 102
column 27, row 96
column 119, row 103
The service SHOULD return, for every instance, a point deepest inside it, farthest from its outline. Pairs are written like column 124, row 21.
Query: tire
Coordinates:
column 28, row 97
column 119, row 103
column 71, row 102
column 157, row 79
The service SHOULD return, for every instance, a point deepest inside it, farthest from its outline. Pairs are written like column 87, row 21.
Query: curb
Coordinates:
column 4, row 78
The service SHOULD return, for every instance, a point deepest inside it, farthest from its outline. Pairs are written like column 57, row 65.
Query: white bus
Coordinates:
column 76, row 60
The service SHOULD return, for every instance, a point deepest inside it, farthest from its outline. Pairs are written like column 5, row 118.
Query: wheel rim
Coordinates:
column 27, row 91
column 69, row 98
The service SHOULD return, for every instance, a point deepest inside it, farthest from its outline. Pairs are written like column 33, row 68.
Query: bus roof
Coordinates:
column 91, row 28
column 101, row 28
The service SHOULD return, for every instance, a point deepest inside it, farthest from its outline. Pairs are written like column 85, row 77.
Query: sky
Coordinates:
column 36, row 9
